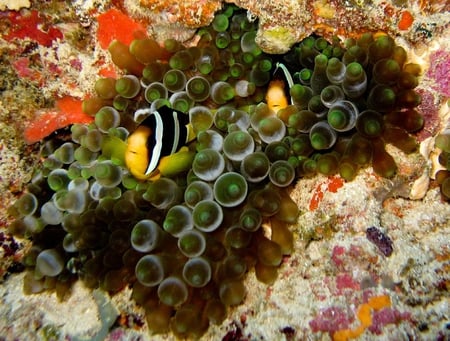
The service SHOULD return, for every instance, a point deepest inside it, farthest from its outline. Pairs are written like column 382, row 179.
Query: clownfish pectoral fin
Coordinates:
column 286, row 73
column 114, row 148
column 176, row 163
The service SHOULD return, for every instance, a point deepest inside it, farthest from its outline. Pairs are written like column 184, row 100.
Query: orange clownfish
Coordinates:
column 277, row 95
column 157, row 146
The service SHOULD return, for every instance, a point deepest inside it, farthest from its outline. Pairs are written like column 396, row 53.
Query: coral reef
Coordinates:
column 282, row 24
column 185, row 255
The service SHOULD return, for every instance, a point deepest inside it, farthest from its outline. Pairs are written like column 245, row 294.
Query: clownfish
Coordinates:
column 277, row 94
column 158, row 145
column 275, row 97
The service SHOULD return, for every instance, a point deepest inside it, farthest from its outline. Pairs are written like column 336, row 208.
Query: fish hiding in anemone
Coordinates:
column 158, row 145
column 277, row 96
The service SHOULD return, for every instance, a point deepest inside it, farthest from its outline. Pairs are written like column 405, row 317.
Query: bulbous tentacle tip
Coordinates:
column 230, row 189
column 281, row 173
column 151, row 270
column 445, row 188
column 105, row 88
column 174, row 80
column 50, row 263
column 197, row 272
column 197, row 191
column 331, row 94
column 322, row 136
column 208, row 164
column 147, row 50
column 155, row 91
column 128, row 86
column 381, row 98
column 27, row 204
column 250, row 219
column 342, row 116
column 181, row 60
column 209, row 139
column 237, row 238
column 207, row 215
column 382, row 162
column 178, row 219
column 216, row 311
column 172, row 291
column 370, row 124
column 227, row 116
column 107, row 174
column 107, row 117
column 271, row 129
column 181, row 101
column 222, row 92
column 162, row 193
column 237, row 145
column 327, row 164
column 72, row 201
column 348, row 168
column 146, row 236
column 192, row 243
column 255, row 167
column 198, row 88
column 201, row 118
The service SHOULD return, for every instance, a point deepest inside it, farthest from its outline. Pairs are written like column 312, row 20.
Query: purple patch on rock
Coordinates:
column 439, row 71
column 386, row 316
column 331, row 320
column 381, row 241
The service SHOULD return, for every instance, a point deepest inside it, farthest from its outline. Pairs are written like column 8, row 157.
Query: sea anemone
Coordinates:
column 184, row 237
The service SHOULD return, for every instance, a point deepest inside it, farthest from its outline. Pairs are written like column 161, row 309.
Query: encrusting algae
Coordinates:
column 182, row 222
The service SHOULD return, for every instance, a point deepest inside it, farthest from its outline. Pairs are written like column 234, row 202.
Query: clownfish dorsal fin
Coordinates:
column 286, row 76
column 286, row 73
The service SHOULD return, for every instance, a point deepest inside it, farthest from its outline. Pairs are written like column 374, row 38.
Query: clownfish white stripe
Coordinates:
column 156, row 153
column 176, row 133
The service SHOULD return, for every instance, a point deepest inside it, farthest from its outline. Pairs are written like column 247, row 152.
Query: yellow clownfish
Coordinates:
column 158, row 145
column 277, row 95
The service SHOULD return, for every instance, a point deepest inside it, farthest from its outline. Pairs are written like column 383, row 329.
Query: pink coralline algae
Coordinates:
column 331, row 320
column 430, row 111
column 337, row 255
column 439, row 71
column 345, row 259
column 346, row 282
column 386, row 316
